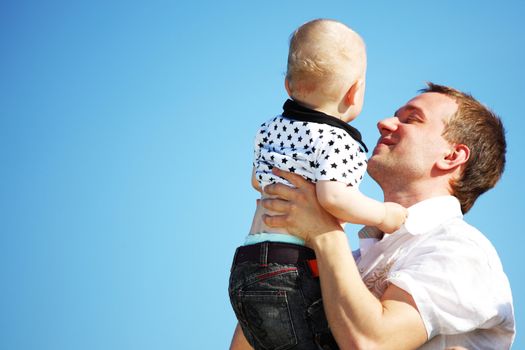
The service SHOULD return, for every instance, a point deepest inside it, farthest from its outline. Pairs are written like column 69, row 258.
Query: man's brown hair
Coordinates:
column 481, row 130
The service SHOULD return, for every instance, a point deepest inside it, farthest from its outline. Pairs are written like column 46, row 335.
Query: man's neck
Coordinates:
column 408, row 198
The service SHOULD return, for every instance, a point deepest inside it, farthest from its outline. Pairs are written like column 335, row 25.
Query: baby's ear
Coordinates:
column 287, row 87
column 351, row 94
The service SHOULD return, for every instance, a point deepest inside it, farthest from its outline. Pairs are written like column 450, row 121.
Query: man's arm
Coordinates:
column 239, row 341
column 358, row 320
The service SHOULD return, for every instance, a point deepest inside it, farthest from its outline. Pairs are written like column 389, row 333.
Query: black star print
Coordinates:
column 300, row 139
column 293, row 146
column 294, row 156
column 305, row 123
column 339, row 137
column 284, row 128
column 275, row 127
column 312, row 164
column 331, row 143
column 336, row 150
column 265, row 139
column 347, row 147
column 307, row 132
column 320, row 131
column 289, row 137
column 323, row 172
column 284, row 161
column 296, row 130
column 291, row 169
column 282, row 144
column 333, row 165
column 278, row 136
column 313, row 148
column 333, row 179
column 345, row 161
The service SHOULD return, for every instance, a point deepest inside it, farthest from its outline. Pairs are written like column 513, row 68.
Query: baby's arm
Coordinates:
column 347, row 203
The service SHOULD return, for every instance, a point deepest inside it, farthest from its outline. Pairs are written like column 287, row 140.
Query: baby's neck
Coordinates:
column 329, row 108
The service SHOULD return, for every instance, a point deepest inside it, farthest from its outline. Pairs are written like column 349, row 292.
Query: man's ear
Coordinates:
column 351, row 94
column 457, row 156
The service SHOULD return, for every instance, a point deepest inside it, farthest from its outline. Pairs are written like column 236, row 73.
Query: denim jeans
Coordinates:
column 279, row 306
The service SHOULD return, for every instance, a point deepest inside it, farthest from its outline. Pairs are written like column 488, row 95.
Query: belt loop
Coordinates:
column 263, row 258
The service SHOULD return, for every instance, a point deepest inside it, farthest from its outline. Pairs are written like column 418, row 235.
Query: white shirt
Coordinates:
column 453, row 273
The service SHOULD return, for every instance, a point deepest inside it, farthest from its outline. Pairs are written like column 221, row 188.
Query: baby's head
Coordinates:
column 327, row 68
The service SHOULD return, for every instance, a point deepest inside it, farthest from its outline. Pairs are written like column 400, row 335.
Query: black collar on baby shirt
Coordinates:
column 294, row 111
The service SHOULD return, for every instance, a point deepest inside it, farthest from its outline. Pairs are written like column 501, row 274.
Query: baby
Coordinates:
column 274, row 287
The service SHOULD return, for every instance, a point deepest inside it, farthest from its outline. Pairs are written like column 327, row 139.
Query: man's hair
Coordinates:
column 323, row 56
column 481, row 130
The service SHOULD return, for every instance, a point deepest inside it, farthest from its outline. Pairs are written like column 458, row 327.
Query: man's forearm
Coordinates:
column 239, row 341
column 358, row 319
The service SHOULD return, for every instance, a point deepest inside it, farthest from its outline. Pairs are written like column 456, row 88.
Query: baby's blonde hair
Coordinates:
column 325, row 56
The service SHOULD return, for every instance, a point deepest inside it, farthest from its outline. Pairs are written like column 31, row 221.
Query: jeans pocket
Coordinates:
column 322, row 334
column 267, row 316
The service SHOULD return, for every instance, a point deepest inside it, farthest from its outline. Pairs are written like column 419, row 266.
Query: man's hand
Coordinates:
column 299, row 210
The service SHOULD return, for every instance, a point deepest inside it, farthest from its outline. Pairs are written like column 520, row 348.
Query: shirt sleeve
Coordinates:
column 452, row 283
column 340, row 159
column 258, row 144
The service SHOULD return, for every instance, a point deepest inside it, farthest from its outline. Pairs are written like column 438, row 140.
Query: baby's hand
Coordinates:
column 395, row 216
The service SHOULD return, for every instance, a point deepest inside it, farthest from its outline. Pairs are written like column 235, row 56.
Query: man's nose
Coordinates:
column 387, row 125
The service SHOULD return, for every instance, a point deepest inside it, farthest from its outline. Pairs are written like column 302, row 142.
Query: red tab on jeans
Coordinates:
column 312, row 264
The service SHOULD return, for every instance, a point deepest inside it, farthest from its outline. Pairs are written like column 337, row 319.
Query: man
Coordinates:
column 437, row 282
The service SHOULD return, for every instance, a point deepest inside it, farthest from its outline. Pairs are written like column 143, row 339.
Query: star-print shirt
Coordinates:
column 309, row 143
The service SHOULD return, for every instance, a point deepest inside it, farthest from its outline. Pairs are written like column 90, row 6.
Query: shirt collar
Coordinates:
column 295, row 111
column 428, row 214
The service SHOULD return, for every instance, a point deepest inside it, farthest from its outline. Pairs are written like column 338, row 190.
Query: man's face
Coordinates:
column 411, row 141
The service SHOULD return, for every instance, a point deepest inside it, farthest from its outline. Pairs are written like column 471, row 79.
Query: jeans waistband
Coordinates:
column 273, row 252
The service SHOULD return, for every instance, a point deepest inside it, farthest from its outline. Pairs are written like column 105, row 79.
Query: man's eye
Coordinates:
column 411, row 119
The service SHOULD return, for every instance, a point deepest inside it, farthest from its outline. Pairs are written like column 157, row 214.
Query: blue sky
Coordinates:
column 126, row 142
